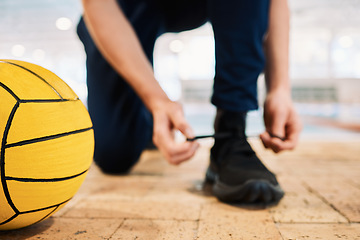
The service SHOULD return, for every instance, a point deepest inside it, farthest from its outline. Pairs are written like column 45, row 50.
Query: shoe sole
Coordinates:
column 251, row 192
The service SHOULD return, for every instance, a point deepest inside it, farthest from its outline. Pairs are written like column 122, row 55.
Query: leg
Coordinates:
column 122, row 124
column 236, row 171
column 239, row 28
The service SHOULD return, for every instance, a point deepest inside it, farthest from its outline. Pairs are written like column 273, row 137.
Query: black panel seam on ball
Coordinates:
column 44, row 208
column 6, row 88
column 51, row 212
column 2, row 158
column 48, row 100
column 35, row 74
column 10, row 219
column 44, row 179
column 45, row 138
column 56, row 206
column 9, row 91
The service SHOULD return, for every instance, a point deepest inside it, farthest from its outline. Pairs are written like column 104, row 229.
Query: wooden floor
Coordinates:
column 159, row 201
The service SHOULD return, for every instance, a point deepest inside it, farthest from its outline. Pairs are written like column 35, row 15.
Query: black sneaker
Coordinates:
column 237, row 174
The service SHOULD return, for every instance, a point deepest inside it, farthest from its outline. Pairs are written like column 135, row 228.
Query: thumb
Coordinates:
column 276, row 125
column 180, row 123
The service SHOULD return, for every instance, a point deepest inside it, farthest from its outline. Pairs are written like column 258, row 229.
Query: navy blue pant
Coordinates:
column 122, row 124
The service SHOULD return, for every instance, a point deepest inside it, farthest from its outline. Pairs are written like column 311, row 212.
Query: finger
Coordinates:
column 177, row 153
column 162, row 132
column 293, row 129
column 276, row 124
column 174, row 152
column 266, row 139
column 288, row 144
column 277, row 136
column 274, row 143
column 163, row 137
column 164, row 126
column 277, row 145
column 180, row 123
column 185, row 155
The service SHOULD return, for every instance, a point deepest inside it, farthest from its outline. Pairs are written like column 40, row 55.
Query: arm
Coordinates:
column 120, row 46
column 279, row 113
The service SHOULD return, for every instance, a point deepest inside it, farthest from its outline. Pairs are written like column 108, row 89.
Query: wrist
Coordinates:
column 282, row 90
column 278, row 84
column 154, row 102
column 151, row 93
column 279, row 92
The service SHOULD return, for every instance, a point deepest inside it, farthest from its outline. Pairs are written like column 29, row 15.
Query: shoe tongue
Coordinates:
column 237, row 152
column 232, row 124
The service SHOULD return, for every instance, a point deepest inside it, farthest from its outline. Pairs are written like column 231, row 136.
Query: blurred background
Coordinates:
column 324, row 61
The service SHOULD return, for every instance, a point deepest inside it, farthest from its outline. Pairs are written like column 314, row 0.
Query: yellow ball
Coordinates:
column 47, row 143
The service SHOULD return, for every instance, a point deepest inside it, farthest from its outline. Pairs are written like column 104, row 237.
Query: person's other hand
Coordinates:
column 280, row 120
column 168, row 117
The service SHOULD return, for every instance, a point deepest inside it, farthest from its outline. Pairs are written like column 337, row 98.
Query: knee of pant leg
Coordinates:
column 115, row 163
